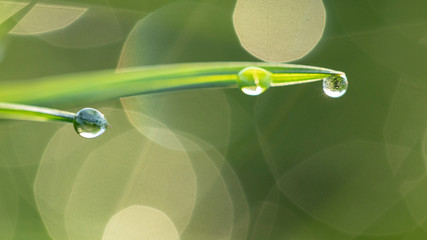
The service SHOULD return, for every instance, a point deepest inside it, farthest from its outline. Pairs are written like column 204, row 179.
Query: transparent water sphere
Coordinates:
column 254, row 80
column 335, row 85
column 90, row 123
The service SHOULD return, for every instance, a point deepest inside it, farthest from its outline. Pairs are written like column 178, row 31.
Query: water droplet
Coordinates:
column 254, row 80
column 90, row 123
column 335, row 85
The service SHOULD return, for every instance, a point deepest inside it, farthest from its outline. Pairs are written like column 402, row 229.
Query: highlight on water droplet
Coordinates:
column 90, row 123
column 335, row 85
column 254, row 80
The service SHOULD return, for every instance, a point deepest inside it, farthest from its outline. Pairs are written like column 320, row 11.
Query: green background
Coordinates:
column 288, row 164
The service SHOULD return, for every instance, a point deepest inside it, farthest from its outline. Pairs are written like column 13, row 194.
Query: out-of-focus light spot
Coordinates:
column 44, row 18
column 80, row 181
column 8, row 8
column 140, row 222
column 279, row 30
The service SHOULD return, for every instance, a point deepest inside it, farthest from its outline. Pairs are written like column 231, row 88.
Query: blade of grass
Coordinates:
column 108, row 84
column 24, row 112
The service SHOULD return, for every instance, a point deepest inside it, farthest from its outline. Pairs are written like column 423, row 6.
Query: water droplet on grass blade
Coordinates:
column 335, row 85
column 90, row 123
column 254, row 80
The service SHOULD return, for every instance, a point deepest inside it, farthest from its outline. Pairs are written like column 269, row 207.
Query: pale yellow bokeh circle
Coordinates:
column 140, row 222
column 279, row 31
column 43, row 18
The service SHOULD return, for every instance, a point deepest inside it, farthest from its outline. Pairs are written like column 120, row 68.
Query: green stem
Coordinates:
column 24, row 112
column 102, row 85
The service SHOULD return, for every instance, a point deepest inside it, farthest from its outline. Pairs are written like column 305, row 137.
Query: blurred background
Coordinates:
column 216, row 163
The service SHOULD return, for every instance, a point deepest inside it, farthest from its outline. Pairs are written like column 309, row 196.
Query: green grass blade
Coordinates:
column 103, row 85
column 24, row 112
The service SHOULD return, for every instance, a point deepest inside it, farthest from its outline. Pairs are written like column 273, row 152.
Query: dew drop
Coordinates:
column 335, row 85
column 254, row 80
column 90, row 123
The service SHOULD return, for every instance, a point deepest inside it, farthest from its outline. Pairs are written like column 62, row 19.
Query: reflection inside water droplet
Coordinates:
column 254, row 80
column 335, row 85
column 90, row 123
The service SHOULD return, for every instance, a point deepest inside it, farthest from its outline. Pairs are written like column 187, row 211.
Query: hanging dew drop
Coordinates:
column 90, row 123
column 254, row 80
column 335, row 85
